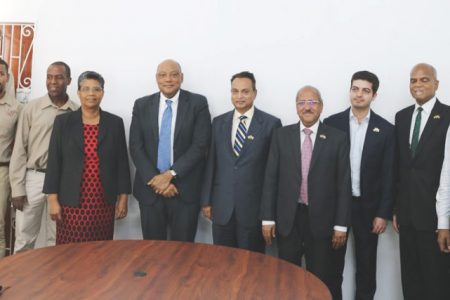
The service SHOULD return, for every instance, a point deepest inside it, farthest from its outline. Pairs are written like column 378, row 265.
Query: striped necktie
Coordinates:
column 241, row 136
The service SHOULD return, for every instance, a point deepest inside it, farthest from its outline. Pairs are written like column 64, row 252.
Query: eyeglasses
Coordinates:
column 95, row 89
column 311, row 102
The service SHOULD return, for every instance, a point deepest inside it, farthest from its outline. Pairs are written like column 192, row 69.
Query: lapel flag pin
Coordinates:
column 323, row 136
column 376, row 129
column 251, row 137
column 436, row 117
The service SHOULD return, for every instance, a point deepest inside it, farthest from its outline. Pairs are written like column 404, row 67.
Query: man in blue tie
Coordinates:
column 232, row 189
column 169, row 135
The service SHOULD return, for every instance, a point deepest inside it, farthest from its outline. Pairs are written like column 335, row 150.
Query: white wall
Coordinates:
column 287, row 44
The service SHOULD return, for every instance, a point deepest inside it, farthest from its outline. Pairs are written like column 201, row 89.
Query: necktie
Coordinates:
column 415, row 136
column 241, row 136
column 306, row 153
column 164, row 138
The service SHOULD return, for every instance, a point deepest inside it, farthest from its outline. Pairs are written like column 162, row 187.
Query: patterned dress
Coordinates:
column 93, row 219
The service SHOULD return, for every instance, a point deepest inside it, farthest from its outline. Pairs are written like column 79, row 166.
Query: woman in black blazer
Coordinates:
column 88, row 176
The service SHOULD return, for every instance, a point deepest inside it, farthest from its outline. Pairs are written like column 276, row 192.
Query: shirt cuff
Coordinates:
column 444, row 222
column 268, row 222
column 340, row 228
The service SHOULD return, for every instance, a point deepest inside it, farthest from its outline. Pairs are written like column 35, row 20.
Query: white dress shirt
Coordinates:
column 443, row 193
column 236, row 115
column 427, row 107
column 162, row 108
column 357, row 138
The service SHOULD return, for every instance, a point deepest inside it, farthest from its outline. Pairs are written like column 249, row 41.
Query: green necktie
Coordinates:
column 415, row 137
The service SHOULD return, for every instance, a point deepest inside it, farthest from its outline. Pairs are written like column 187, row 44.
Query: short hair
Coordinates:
column 245, row 74
column 367, row 76
column 91, row 75
column 63, row 64
column 2, row 62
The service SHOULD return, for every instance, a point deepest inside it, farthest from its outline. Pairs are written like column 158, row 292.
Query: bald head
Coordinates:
column 309, row 89
column 169, row 63
column 427, row 67
column 169, row 78
column 423, row 83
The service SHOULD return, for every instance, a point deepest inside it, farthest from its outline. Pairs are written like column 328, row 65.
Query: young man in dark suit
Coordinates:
column 307, row 188
column 420, row 137
column 372, row 143
column 169, row 136
column 232, row 188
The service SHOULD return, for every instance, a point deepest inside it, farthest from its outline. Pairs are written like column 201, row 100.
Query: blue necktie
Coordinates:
column 241, row 136
column 164, row 138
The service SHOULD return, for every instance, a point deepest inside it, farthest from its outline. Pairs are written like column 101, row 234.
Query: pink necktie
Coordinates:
column 306, row 161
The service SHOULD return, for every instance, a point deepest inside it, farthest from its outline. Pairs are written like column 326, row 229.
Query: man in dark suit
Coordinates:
column 420, row 138
column 372, row 153
column 231, row 194
column 307, row 188
column 169, row 136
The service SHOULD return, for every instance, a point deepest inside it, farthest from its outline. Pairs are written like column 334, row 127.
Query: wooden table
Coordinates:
column 153, row 270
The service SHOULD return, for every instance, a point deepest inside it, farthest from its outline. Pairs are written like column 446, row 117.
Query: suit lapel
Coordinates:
column 252, row 133
column 102, row 128
column 226, row 130
column 183, row 102
column 371, row 134
column 294, row 139
column 153, row 115
column 404, row 130
column 432, row 123
column 76, row 129
column 318, row 144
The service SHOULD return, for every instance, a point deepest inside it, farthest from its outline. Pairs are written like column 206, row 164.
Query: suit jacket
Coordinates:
column 418, row 177
column 66, row 158
column 329, row 187
column 235, row 183
column 377, row 164
column 191, row 140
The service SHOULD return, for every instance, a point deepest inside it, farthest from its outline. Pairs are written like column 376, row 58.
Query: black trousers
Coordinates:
column 234, row 234
column 169, row 215
column 365, row 243
column 424, row 270
column 299, row 242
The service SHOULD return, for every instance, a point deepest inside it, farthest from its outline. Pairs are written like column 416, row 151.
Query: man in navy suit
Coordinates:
column 372, row 141
column 231, row 194
column 307, row 190
column 169, row 136
column 420, row 145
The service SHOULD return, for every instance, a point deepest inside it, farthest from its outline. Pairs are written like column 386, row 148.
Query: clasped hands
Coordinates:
column 162, row 185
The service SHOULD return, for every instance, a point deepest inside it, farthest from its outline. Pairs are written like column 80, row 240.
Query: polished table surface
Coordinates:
column 153, row 270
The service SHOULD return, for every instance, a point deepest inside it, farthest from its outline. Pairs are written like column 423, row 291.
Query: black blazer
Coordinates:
column 66, row 154
column 329, row 184
column 234, row 184
column 418, row 177
column 191, row 140
column 377, row 173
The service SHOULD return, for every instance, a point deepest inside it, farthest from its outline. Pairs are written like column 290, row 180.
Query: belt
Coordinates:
column 37, row 170
column 4, row 164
